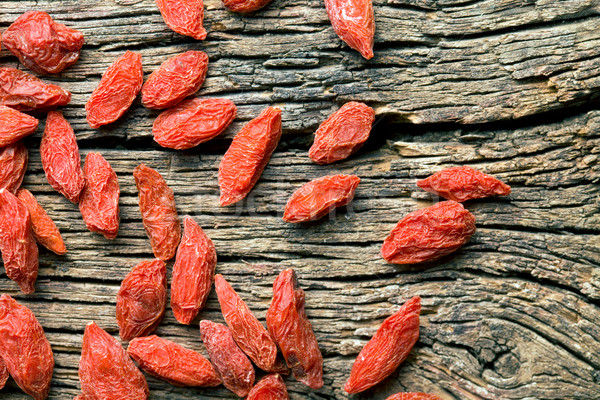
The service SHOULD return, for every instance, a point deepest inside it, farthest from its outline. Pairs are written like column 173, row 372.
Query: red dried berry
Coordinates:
column 3, row 374
column 41, row 44
column 19, row 250
column 14, row 125
column 247, row 331
column 232, row 365
column 289, row 326
column 354, row 23
column 193, row 272
column 248, row 155
column 25, row 92
column 319, row 197
column 184, row 16
column 177, row 78
column 343, row 133
column 245, row 6
column 13, row 164
column 271, row 387
column 105, row 369
column 44, row 229
column 60, row 157
column 116, row 91
column 429, row 233
column 99, row 202
column 24, row 348
column 463, row 183
column 142, row 299
column 387, row 348
column 192, row 122
column 413, row 396
column 169, row 361
column 159, row 213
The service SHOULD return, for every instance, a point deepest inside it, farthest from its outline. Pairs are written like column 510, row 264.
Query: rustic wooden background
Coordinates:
column 506, row 86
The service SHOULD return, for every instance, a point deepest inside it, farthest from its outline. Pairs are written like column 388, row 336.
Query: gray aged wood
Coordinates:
column 515, row 314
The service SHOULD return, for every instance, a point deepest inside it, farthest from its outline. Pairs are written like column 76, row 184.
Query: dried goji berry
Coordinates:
column 463, row 183
column 44, row 229
column 99, row 202
column 245, row 6
column 41, row 44
column 319, row 197
column 159, row 213
column 289, row 326
column 387, row 348
column 413, row 396
column 117, row 89
column 60, row 157
column 25, row 92
column 105, row 369
column 177, row 78
column 193, row 272
column 271, row 387
column 192, row 122
column 3, row 374
column 142, row 299
column 25, row 349
column 13, row 164
column 15, row 125
column 184, row 16
column 343, row 133
column 248, row 155
column 354, row 23
column 169, row 361
column 248, row 332
column 232, row 365
column 429, row 233
column 19, row 250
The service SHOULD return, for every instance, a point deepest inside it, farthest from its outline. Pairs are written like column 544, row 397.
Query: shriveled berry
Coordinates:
column 13, row 164
column 271, row 387
column 413, row 396
column 15, row 125
column 25, row 92
column 354, row 23
column 245, row 6
column 184, row 16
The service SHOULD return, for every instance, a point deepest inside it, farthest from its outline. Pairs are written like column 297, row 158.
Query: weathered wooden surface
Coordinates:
column 515, row 314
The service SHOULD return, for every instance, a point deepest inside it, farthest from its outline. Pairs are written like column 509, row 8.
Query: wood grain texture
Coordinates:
column 505, row 86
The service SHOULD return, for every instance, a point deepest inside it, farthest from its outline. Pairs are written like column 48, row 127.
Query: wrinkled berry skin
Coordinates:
column 171, row 362
column 13, row 164
column 99, row 202
column 245, row 6
column 248, row 155
column 354, row 23
column 25, row 349
column 463, row 183
column 343, row 133
column 42, row 45
column 60, row 157
column 105, row 369
column 429, row 233
column 116, row 91
column 319, row 197
column 271, row 387
column 4, row 375
column 289, row 326
column 177, row 78
column 25, row 92
column 142, row 299
column 387, row 348
column 15, row 125
column 413, row 396
column 193, row 272
column 192, row 122
column 184, row 16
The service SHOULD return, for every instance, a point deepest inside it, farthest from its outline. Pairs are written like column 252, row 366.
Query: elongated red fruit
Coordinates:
column 25, row 92
column 117, row 89
column 463, row 183
column 429, row 233
column 4, row 375
column 60, row 157
column 169, row 361
column 245, row 6
column 248, row 155
column 232, row 365
column 319, row 197
column 354, row 23
column 13, row 164
column 271, row 387
column 193, row 272
column 19, row 250
column 177, row 78
column 387, row 348
column 192, row 122
column 99, row 202
column 184, row 16
column 413, row 396
column 44, row 229
column 105, row 369
column 289, row 326
column 142, row 299
column 24, row 348
column 15, row 125
column 248, row 332
column 343, row 133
